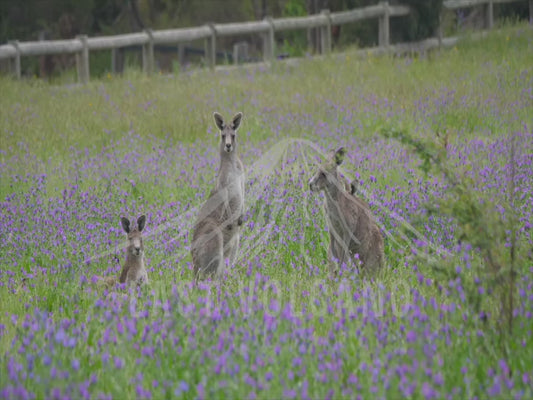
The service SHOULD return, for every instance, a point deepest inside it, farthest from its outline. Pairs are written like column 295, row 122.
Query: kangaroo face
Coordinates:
column 320, row 179
column 227, row 131
column 135, row 243
column 135, row 240
column 228, row 140
column 326, row 174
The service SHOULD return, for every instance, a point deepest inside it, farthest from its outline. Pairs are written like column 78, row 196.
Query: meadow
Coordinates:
column 74, row 159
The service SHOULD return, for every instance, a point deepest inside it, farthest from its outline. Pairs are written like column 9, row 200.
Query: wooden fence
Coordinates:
column 82, row 45
column 488, row 5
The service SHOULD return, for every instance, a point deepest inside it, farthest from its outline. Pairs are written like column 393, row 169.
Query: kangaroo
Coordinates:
column 353, row 189
column 347, row 185
column 133, row 271
column 352, row 227
column 216, row 233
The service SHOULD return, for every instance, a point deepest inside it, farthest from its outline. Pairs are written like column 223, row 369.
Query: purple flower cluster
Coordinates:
column 275, row 326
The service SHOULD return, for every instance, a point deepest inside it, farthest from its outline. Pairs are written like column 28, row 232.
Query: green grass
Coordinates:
column 51, row 120
column 55, row 129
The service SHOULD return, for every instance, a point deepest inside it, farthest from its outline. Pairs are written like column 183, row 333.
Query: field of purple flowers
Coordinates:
column 73, row 160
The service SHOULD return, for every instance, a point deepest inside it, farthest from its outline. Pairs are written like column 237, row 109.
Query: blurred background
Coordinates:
column 30, row 20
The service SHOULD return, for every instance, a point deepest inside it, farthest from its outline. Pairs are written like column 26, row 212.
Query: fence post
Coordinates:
column 384, row 32
column 211, row 47
column 269, row 44
column 148, row 53
column 236, row 54
column 489, row 15
column 439, row 29
column 240, row 52
column 181, row 54
column 15, row 64
column 117, row 60
column 82, row 60
column 325, row 34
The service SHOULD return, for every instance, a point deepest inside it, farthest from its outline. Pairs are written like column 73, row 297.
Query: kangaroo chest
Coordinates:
column 335, row 214
column 136, row 271
column 230, row 182
column 343, row 220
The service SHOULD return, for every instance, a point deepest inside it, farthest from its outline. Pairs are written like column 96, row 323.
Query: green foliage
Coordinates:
column 44, row 127
column 294, row 42
column 294, row 8
column 23, row 20
column 363, row 33
column 480, row 223
column 421, row 23
column 513, row 11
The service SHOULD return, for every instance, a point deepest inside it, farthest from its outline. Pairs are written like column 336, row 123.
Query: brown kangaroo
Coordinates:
column 134, row 271
column 216, row 233
column 352, row 227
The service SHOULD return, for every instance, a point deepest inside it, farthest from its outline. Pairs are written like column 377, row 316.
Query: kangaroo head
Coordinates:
column 327, row 174
column 135, row 240
column 227, row 131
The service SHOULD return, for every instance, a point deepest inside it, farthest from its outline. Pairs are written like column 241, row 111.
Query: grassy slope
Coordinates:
column 54, row 130
column 51, row 120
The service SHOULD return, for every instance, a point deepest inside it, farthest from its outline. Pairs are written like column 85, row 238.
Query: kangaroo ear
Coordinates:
column 339, row 155
column 219, row 121
column 236, row 122
column 353, row 186
column 125, row 224
column 141, row 222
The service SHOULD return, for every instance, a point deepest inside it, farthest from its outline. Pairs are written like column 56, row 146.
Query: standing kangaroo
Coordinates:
column 352, row 227
column 133, row 271
column 216, row 233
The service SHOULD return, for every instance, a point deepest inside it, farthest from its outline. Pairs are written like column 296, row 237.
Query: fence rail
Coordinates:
column 455, row 4
column 82, row 45
column 489, row 7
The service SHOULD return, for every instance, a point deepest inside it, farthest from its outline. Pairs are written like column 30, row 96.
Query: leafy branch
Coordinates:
column 478, row 223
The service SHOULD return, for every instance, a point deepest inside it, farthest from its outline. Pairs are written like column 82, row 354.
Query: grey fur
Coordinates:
column 351, row 224
column 134, row 271
column 216, row 233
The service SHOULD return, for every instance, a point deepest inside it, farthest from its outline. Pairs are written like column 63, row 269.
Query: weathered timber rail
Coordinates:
column 82, row 45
